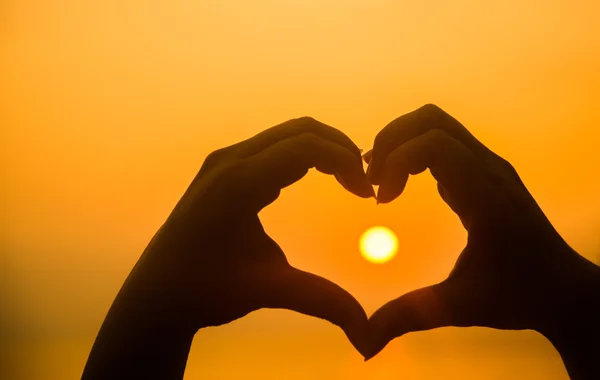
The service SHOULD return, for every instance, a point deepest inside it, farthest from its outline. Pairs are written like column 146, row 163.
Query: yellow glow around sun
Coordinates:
column 378, row 244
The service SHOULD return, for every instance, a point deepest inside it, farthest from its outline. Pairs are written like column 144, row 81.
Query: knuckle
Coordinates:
column 510, row 169
column 214, row 158
column 316, row 128
column 431, row 109
column 433, row 114
column 306, row 120
column 299, row 124
column 308, row 124
column 508, row 165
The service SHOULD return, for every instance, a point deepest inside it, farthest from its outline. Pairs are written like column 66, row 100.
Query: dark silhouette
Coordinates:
column 516, row 271
column 212, row 262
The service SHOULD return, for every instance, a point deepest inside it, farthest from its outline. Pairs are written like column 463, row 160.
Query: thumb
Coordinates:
column 316, row 296
column 427, row 308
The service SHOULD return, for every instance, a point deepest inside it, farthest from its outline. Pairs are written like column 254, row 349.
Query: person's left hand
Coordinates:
column 212, row 262
column 516, row 272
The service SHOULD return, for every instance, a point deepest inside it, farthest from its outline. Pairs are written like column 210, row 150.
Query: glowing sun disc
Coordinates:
column 378, row 244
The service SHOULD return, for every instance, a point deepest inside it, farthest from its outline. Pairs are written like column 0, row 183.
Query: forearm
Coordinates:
column 126, row 350
column 573, row 324
column 140, row 337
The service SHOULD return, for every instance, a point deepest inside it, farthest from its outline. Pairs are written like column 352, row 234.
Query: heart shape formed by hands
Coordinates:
column 212, row 262
column 491, row 285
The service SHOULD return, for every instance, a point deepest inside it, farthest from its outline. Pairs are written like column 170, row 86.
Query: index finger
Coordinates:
column 259, row 178
column 293, row 128
column 414, row 124
column 452, row 164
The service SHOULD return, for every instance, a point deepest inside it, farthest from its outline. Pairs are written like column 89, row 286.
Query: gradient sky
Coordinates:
column 107, row 110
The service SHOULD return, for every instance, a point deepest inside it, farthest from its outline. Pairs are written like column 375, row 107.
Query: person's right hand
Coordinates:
column 516, row 272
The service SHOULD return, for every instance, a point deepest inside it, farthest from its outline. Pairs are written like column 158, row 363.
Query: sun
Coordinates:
column 378, row 244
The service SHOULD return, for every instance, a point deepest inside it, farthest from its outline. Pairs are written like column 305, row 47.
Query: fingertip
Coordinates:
column 387, row 193
column 355, row 180
column 361, row 188
column 384, row 326
column 374, row 350
column 418, row 310
column 371, row 193
column 372, row 354
column 383, row 195
column 364, row 187
column 375, row 180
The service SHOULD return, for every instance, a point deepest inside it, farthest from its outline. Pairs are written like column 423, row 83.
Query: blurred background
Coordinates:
column 108, row 109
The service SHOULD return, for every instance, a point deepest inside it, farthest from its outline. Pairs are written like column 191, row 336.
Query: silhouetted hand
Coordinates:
column 212, row 262
column 515, row 272
column 222, row 261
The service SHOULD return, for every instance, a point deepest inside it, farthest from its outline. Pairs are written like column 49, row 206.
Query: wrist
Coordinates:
column 153, row 297
column 569, row 319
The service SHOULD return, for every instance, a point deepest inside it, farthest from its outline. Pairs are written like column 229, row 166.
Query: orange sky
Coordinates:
column 107, row 110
